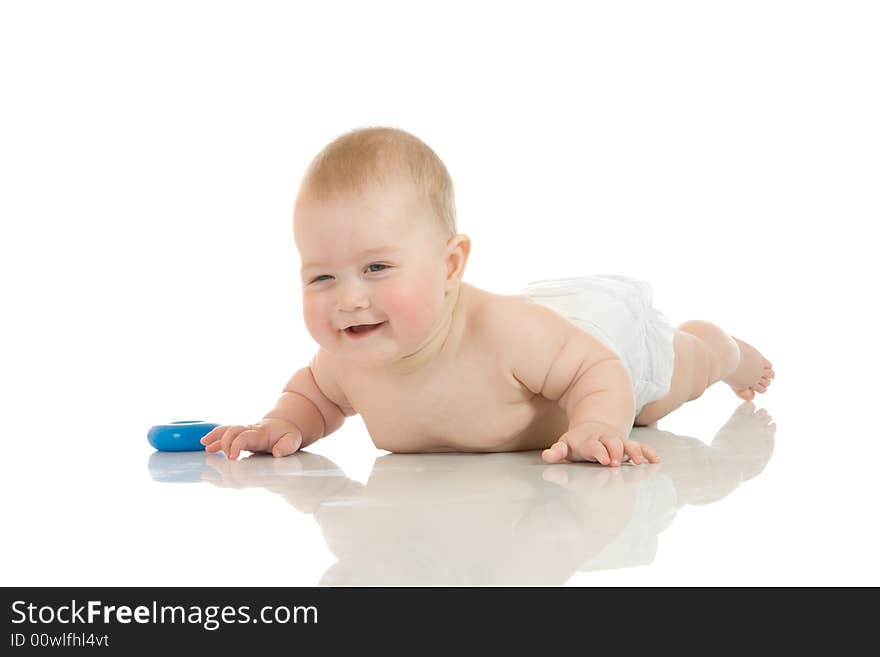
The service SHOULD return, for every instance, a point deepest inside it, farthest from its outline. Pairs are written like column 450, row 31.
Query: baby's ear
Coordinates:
column 457, row 251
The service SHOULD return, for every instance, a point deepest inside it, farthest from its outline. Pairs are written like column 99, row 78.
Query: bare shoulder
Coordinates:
column 328, row 371
column 534, row 342
column 513, row 323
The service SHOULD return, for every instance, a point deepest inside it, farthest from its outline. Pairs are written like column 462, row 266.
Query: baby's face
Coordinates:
column 372, row 258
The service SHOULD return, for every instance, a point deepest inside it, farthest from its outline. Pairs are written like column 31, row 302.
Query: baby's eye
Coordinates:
column 318, row 278
column 378, row 265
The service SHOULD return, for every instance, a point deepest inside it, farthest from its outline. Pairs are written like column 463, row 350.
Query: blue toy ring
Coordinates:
column 179, row 436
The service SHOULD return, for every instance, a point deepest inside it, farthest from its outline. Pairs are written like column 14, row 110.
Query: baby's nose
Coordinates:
column 352, row 298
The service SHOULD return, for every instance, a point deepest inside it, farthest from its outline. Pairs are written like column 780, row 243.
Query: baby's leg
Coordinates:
column 704, row 354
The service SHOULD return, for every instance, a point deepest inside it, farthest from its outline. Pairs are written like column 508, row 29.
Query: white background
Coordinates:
column 149, row 158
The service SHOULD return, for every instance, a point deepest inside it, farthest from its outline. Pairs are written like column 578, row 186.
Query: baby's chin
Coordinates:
column 362, row 351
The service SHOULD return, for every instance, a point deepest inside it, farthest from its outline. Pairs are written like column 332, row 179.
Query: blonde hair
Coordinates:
column 373, row 156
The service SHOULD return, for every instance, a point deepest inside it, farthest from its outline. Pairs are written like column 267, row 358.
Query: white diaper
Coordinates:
column 617, row 310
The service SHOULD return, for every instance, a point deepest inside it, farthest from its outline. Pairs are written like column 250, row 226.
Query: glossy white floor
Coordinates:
column 727, row 156
column 782, row 495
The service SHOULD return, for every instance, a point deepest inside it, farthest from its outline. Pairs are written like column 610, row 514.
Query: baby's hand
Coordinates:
column 269, row 435
column 594, row 441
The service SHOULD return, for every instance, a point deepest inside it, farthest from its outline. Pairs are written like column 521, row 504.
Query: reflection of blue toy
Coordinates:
column 179, row 436
column 179, row 467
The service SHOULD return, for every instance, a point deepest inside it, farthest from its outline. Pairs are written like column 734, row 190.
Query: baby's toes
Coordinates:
column 746, row 393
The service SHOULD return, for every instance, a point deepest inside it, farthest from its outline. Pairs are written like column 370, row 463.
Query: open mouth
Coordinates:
column 363, row 329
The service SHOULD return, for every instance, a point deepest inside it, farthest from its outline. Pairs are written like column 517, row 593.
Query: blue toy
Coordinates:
column 181, row 436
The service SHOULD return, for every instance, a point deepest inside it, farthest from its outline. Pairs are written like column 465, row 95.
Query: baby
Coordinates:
column 434, row 364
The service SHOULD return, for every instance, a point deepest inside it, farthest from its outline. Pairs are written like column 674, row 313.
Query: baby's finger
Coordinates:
column 634, row 451
column 212, row 441
column 213, row 435
column 593, row 450
column 287, row 444
column 614, row 445
column 250, row 439
column 556, row 452
column 230, row 435
column 650, row 454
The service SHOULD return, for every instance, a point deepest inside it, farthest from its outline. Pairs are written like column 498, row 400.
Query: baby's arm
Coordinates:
column 554, row 358
column 303, row 414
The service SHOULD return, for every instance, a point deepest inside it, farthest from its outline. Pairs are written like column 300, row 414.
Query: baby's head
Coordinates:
column 374, row 224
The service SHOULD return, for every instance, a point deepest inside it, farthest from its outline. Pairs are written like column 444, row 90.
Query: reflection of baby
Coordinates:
column 497, row 519
column 433, row 364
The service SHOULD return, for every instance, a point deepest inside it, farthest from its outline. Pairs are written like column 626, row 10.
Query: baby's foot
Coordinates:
column 753, row 373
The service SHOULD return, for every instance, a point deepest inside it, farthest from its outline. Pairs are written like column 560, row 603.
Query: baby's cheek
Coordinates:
column 314, row 320
column 413, row 309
